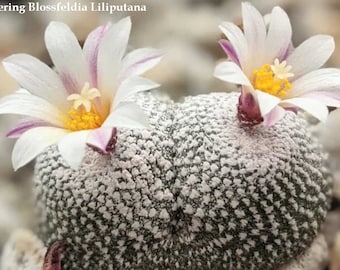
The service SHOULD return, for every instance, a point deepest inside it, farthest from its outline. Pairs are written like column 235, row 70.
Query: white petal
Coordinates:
column 111, row 51
column 231, row 72
column 23, row 91
column 101, row 138
column 266, row 102
column 90, row 49
column 311, row 54
column 132, row 86
column 237, row 40
column 37, row 77
column 128, row 115
column 254, row 32
column 327, row 79
column 331, row 98
column 33, row 142
column 313, row 107
column 279, row 35
column 72, row 147
column 67, row 56
column 274, row 116
column 139, row 61
column 22, row 103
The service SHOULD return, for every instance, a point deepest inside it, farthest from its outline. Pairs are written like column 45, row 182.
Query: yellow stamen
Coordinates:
column 83, row 114
column 273, row 79
column 81, row 119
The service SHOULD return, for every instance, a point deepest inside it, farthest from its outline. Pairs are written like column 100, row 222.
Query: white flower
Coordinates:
column 84, row 99
column 276, row 77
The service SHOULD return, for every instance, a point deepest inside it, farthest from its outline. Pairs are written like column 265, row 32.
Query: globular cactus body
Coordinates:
column 196, row 191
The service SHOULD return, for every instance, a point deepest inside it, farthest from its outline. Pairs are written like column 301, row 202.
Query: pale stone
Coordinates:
column 315, row 258
column 23, row 251
column 335, row 254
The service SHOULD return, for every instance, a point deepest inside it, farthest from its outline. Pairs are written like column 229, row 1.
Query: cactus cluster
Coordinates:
column 195, row 191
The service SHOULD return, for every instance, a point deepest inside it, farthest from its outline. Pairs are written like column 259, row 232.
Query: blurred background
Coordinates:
column 187, row 32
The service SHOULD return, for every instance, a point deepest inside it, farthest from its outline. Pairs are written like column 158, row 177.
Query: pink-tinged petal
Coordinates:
column 111, row 51
column 103, row 140
column 131, row 86
column 274, row 116
column 33, row 142
column 255, row 33
column 279, row 36
column 67, row 56
column 52, row 260
column 127, row 115
column 325, row 79
column 231, row 72
column 287, row 53
column 139, row 61
column 331, row 98
column 229, row 50
column 22, row 103
column 248, row 112
column 311, row 106
column 311, row 54
column 237, row 40
column 90, row 49
column 266, row 102
column 25, row 126
column 72, row 147
column 292, row 109
column 37, row 78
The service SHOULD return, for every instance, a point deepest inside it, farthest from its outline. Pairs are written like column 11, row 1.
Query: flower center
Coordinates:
column 273, row 79
column 83, row 114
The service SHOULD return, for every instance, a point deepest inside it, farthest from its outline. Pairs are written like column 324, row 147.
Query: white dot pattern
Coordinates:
column 194, row 192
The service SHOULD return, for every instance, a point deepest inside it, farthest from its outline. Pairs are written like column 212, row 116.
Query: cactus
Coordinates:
column 196, row 191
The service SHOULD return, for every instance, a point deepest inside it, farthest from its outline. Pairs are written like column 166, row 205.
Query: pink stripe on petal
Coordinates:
column 91, row 48
column 331, row 98
column 292, row 109
column 274, row 116
column 27, row 125
column 111, row 50
column 103, row 140
column 286, row 52
column 237, row 39
column 279, row 35
column 132, row 69
column 70, row 84
column 229, row 50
